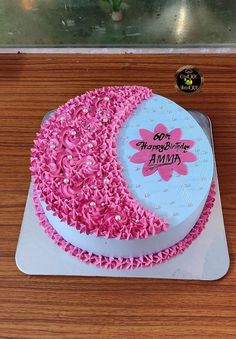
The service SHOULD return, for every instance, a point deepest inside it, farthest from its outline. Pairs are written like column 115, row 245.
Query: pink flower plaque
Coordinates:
column 162, row 151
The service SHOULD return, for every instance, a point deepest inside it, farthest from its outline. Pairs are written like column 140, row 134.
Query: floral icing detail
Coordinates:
column 127, row 263
column 162, row 151
column 74, row 161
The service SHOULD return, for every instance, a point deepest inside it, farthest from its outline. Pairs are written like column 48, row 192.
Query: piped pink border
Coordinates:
column 130, row 263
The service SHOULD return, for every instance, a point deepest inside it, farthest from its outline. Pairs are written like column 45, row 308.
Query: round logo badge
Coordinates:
column 188, row 79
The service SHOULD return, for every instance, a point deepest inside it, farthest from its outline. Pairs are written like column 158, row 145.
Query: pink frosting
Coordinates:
column 124, row 263
column 76, row 171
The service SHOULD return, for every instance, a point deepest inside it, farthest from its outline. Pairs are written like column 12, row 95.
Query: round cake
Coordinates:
column 122, row 177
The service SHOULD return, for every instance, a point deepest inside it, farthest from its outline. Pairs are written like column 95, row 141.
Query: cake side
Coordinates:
column 145, row 261
column 125, row 248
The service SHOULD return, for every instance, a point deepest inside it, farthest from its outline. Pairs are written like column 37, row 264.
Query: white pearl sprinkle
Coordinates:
column 102, row 204
column 73, row 132
column 106, row 181
column 85, row 110
column 136, row 220
column 107, row 98
column 52, row 146
column 92, row 203
column 117, row 217
column 105, row 119
column 88, row 163
column 69, row 156
column 90, row 145
column 62, row 118
column 66, row 181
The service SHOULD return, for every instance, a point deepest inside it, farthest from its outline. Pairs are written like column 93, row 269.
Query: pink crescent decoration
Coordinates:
column 76, row 171
column 162, row 151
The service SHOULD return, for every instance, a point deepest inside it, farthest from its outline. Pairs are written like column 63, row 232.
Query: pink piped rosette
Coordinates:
column 76, row 172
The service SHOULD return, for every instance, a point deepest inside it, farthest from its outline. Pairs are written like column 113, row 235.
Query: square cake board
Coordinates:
column 206, row 259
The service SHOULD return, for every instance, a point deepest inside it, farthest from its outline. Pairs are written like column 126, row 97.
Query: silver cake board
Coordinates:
column 206, row 259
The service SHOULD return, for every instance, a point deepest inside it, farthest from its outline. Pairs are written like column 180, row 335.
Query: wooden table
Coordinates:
column 79, row 307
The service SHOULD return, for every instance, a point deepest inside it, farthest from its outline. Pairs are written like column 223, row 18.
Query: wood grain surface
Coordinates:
column 79, row 307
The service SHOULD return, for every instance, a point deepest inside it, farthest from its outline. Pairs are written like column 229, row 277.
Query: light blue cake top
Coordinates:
column 180, row 196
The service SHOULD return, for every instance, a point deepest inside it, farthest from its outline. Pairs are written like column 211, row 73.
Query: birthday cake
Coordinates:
column 122, row 178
